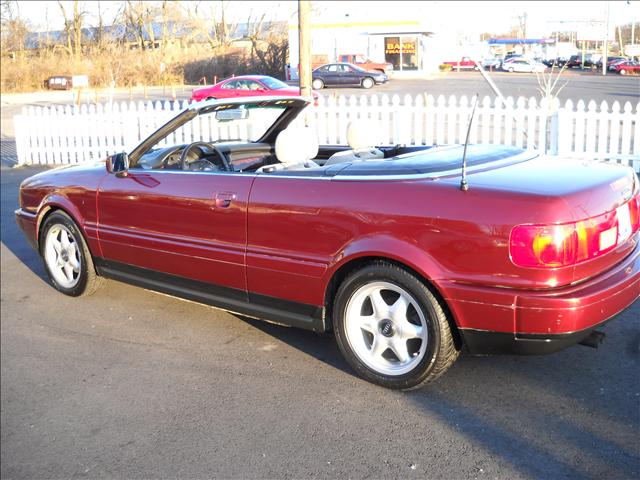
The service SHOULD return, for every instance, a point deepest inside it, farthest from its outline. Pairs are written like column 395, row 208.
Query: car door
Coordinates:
column 191, row 225
column 255, row 88
column 521, row 66
column 331, row 76
column 349, row 76
column 229, row 89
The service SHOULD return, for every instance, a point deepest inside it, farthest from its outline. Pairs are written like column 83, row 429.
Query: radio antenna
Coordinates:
column 464, row 186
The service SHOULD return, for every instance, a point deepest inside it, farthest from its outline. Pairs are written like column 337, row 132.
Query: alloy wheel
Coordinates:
column 62, row 254
column 386, row 328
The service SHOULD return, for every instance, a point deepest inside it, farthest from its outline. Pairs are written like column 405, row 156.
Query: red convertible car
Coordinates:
column 379, row 244
column 246, row 86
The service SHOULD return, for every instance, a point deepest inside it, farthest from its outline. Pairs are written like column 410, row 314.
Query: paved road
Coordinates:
column 577, row 85
column 133, row 384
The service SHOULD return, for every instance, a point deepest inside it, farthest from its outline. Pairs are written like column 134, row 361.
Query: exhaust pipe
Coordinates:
column 593, row 340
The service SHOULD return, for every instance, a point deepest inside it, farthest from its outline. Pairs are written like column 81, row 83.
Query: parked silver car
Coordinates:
column 523, row 65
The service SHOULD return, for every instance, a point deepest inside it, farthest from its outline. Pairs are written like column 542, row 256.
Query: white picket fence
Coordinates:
column 70, row 134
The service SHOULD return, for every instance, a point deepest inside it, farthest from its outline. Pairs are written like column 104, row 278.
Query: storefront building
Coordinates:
column 406, row 44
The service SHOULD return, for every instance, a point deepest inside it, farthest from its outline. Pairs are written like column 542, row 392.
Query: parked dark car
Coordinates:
column 575, row 61
column 59, row 82
column 382, row 245
column 345, row 74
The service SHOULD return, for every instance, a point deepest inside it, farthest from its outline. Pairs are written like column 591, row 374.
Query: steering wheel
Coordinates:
column 184, row 165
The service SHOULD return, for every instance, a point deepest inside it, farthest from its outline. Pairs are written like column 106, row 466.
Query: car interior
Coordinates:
column 295, row 152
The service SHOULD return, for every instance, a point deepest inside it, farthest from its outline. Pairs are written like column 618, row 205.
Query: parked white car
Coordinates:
column 523, row 65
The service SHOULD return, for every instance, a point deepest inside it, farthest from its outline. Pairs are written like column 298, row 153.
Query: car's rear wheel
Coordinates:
column 317, row 84
column 367, row 82
column 66, row 257
column 391, row 329
column 510, row 70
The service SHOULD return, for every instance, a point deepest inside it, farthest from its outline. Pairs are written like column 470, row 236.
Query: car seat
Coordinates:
column 295, row 148
column 361, row 137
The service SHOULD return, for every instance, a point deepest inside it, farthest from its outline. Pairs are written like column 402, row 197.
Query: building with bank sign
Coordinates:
column 337, row 30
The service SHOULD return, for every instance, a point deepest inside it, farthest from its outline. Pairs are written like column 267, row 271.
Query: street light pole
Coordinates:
column 605, row 44
column 304, row 45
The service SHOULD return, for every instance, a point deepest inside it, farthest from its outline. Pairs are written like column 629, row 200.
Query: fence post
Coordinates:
column 17, row 122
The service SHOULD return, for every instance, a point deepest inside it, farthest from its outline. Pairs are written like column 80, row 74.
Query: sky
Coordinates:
column 484, row 16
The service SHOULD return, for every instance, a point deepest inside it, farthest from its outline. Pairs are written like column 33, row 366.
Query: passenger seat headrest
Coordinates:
column 296, row 145
column 363, row 134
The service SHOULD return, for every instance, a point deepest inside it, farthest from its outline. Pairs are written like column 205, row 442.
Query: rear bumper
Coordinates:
column 28, row 224
column 493, row 320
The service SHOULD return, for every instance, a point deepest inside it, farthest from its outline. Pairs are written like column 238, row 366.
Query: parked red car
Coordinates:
column 465, row 63
column 382, row 244
column 246, row 86
column 625, row 67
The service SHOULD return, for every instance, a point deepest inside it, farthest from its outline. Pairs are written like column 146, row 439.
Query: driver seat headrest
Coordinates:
column 296, row 146
column 362, row 134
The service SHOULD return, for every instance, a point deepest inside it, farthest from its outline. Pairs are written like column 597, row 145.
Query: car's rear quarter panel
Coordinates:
column 432, row 226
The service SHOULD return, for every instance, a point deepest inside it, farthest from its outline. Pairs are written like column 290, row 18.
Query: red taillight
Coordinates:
column 543, row 245
column 551, row 246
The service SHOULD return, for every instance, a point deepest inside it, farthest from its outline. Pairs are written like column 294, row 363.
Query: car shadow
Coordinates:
column 10, row 234
column 321, row 346
column 570, row 414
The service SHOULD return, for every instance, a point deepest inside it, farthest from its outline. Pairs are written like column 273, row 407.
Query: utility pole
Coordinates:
column 304, row 42
column 605, row 44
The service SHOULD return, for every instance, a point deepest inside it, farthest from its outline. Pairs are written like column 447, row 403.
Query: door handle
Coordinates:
column 224, row 199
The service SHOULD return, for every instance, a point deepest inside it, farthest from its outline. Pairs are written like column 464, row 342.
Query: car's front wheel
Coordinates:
column 317, row 84
column 623, row 71
column 66, row 256
column 367, row 82
column 391, row 328
column 510, row 70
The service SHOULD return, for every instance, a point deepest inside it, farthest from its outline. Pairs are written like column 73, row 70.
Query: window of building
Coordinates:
column 402, row 52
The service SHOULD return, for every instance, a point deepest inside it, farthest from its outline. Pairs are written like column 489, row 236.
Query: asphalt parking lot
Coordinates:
column 133, row 384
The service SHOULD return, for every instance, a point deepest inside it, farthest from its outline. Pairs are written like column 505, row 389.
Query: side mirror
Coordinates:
column 118, row 163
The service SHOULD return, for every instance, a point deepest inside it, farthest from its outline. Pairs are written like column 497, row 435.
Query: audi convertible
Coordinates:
column 234, row 204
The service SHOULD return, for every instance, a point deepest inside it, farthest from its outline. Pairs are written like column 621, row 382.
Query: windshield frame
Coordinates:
column 293, row 106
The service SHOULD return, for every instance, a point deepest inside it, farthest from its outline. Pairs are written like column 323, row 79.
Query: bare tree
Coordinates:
column 270, row 48
column 139, row 16
column 14, row 29
column 205, row 24
column 73, row 27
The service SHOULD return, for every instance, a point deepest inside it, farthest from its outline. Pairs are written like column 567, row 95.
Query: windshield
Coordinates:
column 214, row 126
column 273, row 83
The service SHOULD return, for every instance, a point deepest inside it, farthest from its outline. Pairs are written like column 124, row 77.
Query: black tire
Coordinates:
column 88, row 281
column 317, row 84
column 367, row 82
column 441, row 351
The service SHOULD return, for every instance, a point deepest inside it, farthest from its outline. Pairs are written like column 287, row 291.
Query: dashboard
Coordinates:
column 209, row 157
